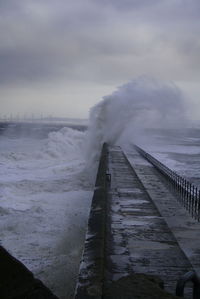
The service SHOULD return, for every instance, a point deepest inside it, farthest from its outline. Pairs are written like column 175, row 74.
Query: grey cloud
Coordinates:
column 95, row 40
column 128, row 4
column 90, row 43
column 8, row 5
column 22, row 66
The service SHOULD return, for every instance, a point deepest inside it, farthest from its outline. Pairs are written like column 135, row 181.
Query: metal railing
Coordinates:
column 189, row 194
column 189, row 277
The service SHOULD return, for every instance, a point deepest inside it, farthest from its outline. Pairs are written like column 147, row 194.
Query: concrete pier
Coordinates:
column 135, row 237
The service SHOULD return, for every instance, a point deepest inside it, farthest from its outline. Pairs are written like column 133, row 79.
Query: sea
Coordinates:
column 179, row 149
column 46, row 191
column 45, row 199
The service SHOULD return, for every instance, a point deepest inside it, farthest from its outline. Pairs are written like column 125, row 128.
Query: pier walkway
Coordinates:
column 128, row 232
column 185, row 229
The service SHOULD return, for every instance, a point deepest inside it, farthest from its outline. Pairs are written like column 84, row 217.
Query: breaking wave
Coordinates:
column 124, row 115
column 66, row 143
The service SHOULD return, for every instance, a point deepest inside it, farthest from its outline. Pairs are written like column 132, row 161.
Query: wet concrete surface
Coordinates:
column 128, row 232
column 138, row 237
column 185, row 229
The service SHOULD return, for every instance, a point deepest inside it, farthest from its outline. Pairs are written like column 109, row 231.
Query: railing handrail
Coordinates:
column 189, row 194
column 187, row 277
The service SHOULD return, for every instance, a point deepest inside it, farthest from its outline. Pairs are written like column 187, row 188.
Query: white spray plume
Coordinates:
column 142, row 103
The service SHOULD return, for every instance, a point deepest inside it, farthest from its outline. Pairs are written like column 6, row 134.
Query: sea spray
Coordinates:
column 124, row 115
column 66, row 143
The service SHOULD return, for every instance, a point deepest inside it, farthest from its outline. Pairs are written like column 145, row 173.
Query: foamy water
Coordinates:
column 44, row 203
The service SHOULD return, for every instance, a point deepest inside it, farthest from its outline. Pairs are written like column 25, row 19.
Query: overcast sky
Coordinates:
column 61, row 57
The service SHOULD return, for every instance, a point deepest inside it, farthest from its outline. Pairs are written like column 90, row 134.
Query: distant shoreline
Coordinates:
column 35, row 129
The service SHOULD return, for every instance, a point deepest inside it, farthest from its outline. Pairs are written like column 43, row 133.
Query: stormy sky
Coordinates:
column 60, row 57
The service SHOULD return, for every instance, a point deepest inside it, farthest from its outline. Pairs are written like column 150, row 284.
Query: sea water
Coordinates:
column 44, row 203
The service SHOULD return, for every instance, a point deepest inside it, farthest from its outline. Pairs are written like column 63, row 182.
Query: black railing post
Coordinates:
column 190, row 198
column 192, row 201
column 182, row 189
column 185, row 186
column 193, row 197
column 199, row 207
column 188, row 195
column 196, row 203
